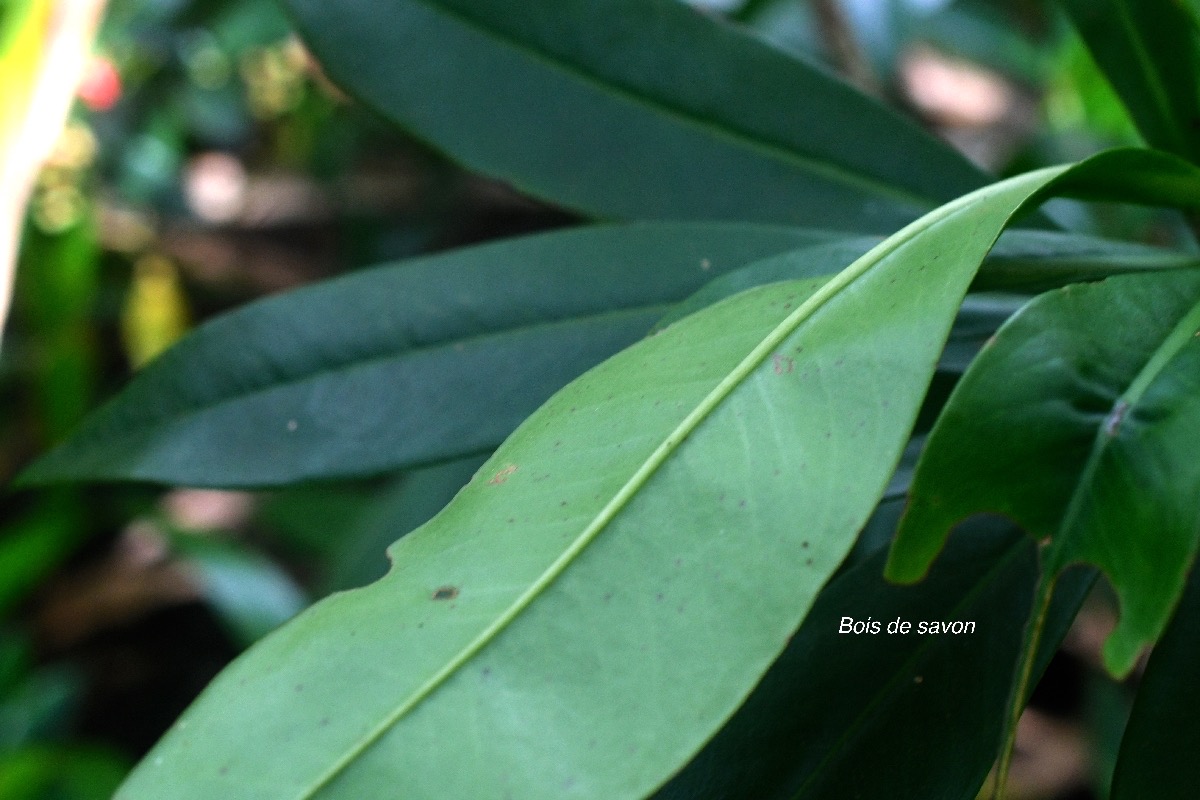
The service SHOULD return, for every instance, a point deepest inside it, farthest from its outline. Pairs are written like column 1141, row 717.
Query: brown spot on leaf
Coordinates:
column 501, row 476
column 445, row 593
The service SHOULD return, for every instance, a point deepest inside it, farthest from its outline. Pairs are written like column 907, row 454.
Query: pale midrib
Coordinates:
column 1183, row 332
column 639, row 478
column 828, row 169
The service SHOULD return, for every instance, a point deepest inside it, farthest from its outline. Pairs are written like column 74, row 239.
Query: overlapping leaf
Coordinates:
column 635, row 109
column 590, row 609
column 424, row 361
column 1163, row 735
column 442, row 357
column 1150, row 51
column 1086, row 404
column 835, row 715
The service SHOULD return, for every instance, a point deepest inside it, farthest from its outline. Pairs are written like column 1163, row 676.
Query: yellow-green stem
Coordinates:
column 1041, row 607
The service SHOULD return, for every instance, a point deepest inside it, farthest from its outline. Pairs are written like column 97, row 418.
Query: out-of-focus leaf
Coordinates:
column 35, row 704
column 1150, row 52
column 1085, row 402
column 1158, row 753
column 635, row 109
column 431, row 359
column 36, row 542
column 155, row 313
column 249, row 592
column 409, row 503
column 844, row 715
column 637, row 535
column 60, row 773
column 307, row 518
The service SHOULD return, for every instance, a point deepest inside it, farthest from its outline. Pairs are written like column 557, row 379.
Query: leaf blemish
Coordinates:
column 445, row 593
column 1112, row 423
column 501, row 476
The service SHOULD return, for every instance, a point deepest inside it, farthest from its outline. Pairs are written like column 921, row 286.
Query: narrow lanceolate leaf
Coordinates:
column 837, row 715
column 1025, row 261
column 1150, row 51
column 634, row 109
column 422, row 361
column 1086, row 403
column 1163, row 736
column 600, row 598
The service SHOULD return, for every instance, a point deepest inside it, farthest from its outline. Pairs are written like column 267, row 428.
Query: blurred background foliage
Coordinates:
column 208, row 162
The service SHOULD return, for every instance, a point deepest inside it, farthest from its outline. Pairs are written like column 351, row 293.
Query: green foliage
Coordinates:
column 665, row 115
column 652, row 467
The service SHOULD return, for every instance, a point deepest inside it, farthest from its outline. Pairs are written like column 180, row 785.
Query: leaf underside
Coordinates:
column 635, row 555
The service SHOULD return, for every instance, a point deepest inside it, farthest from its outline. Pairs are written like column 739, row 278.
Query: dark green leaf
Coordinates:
column 1087, row 401
column 635, row 109
column 1158, row 753
column 409, row 503
column 841, row 715
column 427, row 360
column 60, row 773
column 1150, row 52
column 1022, row 261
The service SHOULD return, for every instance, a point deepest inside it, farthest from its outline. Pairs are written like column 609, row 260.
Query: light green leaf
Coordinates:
column 635, row 109
column 608, row 589
column 1087, row 402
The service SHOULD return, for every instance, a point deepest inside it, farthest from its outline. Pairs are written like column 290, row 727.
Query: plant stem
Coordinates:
column 1041, row 607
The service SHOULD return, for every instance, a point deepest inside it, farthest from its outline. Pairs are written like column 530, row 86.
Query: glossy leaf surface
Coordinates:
column 1099, row 387
column 635, row 109
column 634, row 556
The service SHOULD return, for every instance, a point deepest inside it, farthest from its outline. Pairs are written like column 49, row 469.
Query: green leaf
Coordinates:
column 62, row 773
column 480, row 337
column 37, row 542
column 249, row 592
column 1086, row 401
column 1150, row 52
column 843, row 716
column 607, row 590
column 635, row 109
column 430, row 359
column 1022, row 261
column 406, row 505
column 1163, row 736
